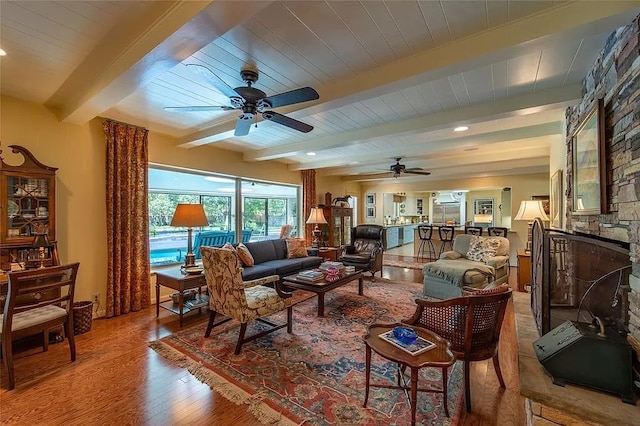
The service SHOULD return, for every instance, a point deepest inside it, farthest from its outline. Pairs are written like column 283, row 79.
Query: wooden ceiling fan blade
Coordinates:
column 203, row 108
column 243, row 124
column 417, row 172
column 303, row 94
column 414, row 169
column 213, row 79
column 287, row 121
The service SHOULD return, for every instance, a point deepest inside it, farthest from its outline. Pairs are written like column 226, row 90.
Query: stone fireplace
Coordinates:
column 615, row 77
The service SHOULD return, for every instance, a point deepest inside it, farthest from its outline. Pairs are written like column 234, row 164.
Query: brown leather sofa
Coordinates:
column 366, row 249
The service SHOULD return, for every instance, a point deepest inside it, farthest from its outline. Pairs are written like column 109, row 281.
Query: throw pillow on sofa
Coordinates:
column 480, row 248
column 296, row 247
column 245, row 255
column 230, row 246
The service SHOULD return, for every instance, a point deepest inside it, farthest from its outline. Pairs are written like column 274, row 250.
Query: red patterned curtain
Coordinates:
column 127, row 218
column 308, row 199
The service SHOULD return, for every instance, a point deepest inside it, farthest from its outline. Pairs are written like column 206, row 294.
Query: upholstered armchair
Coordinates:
column 365, row 251
column 243, row 301
column 471, row 323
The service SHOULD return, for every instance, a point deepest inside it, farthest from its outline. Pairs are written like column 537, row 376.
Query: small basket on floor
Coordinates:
column 82, row 316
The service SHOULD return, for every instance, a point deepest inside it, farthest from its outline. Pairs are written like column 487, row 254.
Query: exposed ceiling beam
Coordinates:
column 521, row 166
column 536, row 148
column 141, row 48
column 566, row 19
column 547, row 99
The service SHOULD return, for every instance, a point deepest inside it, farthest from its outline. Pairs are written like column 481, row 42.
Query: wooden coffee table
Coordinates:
column 321, row 287
column 440, row 357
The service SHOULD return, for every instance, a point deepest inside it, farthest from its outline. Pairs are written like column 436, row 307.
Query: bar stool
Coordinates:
column 473, row 230
column 497, row 232
column 424, row 233
column 446, row 236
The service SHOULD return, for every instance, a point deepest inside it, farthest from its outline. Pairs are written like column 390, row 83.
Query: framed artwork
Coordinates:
column 545, row 202
column 371, row 199
column 557, row 200
column 588, row 159
column 371, row 212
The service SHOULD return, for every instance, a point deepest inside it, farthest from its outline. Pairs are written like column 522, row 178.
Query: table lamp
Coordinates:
column 316, row 217
column 189, row 216
column 529, row 210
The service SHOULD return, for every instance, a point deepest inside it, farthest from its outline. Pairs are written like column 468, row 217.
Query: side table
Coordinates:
column 524, row 269
column 174, row 278
column 440, row 357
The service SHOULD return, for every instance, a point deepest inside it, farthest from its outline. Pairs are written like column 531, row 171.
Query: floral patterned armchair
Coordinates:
column 241, row 300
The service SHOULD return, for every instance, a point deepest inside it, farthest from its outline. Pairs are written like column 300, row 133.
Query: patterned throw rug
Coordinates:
column 402, row 264
column 315, row 376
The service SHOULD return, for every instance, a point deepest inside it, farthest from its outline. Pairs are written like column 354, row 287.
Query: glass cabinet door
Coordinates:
column 347, row 230
column 27, row 206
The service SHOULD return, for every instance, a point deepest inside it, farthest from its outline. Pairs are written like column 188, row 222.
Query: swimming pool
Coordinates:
column 167, row 255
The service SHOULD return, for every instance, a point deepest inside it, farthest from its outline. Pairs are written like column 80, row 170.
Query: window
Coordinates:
column 265, row 208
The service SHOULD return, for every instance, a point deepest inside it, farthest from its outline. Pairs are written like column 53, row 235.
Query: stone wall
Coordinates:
column 615, row 76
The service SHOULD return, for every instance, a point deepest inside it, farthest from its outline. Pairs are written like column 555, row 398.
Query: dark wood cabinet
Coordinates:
column 337, row 231
column 27, row 206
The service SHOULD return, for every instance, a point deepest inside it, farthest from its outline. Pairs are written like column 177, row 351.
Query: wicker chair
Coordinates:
column 241, row 300
column 470, row 323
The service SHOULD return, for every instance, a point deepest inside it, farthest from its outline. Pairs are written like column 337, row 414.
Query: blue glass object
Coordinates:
column 405, row 334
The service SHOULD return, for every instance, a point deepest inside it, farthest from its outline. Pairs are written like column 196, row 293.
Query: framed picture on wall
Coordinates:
column 371, row 199
column 371, row 212
column 557, row 200
column 588, row 160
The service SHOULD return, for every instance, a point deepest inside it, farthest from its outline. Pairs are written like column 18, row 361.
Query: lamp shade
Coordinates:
column 189, row 215
column 316, row 216
column 529, row 210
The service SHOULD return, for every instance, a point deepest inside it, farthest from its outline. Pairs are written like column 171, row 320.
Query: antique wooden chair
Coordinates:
column 497, row 231
column 46, row 302
column 241, row 300
column 471, row 323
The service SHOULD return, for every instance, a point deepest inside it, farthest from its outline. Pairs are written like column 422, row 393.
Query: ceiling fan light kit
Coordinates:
column 252, row 101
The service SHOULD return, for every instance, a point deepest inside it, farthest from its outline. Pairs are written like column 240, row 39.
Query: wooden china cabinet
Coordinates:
column 337, row 231
column 27, row 206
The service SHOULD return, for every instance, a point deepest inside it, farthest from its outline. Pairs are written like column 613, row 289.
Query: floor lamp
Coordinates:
column 529, row 210
column 189, row 216
column 316, row 217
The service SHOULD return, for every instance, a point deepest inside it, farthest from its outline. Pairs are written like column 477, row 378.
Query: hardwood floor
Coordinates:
column 117, row 379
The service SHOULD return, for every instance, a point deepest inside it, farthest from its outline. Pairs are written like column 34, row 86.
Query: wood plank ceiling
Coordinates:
column 394, row 77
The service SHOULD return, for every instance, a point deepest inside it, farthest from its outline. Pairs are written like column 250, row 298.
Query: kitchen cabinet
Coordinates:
column 337, row 231
column 407, row 234
column 419, row 210
column 392, row 237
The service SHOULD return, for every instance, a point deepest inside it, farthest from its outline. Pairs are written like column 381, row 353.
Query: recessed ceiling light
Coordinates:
column 461, row 129
column 2, row 53
column 311, row 153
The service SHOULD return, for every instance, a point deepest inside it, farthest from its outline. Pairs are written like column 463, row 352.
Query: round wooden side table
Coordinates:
column 439, row 356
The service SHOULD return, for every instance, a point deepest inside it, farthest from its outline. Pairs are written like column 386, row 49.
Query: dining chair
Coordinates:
column 41, row 313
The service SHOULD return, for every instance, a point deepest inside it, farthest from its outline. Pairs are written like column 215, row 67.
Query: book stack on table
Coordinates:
column 310, row 275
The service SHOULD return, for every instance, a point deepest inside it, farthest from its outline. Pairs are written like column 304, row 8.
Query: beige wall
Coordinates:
column 79, row 154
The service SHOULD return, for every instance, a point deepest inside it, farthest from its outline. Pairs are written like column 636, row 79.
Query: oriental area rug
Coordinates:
column 316, row 375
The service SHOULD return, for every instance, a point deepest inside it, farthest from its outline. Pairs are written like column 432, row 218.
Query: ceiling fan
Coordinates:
column 251, row 101
column 397, row 169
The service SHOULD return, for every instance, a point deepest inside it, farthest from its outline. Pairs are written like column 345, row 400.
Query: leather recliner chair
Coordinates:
column 366, row 249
